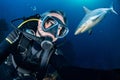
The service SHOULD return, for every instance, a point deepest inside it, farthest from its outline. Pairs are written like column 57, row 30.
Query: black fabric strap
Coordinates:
column 23, row 44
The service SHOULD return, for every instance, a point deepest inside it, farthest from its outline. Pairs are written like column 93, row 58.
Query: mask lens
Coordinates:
column 62, row 31
column 49, row 23
column 54, row 26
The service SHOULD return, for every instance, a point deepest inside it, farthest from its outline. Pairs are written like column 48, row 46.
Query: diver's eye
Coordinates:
column 50, row 20
column 49, row 23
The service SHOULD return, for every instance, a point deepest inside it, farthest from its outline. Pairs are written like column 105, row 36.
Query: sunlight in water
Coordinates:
column 89, row 2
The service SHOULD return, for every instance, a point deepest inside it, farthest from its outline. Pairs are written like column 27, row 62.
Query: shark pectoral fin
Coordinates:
column 86, row 9
column 90, row 31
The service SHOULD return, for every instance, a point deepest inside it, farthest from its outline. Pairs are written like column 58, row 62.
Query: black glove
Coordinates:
column 13, row 36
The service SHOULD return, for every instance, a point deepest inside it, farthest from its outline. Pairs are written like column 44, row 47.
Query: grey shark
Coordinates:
column 92, row 18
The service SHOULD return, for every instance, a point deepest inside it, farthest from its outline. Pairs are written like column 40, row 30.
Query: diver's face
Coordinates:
column 48, row 24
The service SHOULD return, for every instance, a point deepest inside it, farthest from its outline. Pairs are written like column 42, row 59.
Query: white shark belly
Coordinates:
column 90, row 25
column 86, row 27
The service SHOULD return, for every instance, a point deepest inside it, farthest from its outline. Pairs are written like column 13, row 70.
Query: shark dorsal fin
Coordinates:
column 86, row 9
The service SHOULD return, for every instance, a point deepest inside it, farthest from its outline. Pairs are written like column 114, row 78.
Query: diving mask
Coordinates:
column 54, row 26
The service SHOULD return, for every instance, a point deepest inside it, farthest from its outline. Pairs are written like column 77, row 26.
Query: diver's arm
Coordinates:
column 58, row 61
column 62, row 67
column 4, row 50
column 6, row 45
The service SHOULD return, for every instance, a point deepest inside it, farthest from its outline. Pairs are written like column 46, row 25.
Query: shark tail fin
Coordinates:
column 111, row 8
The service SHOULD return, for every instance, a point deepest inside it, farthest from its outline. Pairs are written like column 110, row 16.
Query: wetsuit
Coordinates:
column 25, row 58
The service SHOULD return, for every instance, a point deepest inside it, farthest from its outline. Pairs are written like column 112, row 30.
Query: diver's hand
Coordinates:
column 13, row 36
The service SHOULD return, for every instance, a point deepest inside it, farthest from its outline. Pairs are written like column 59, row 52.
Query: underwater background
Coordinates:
column 100, row 50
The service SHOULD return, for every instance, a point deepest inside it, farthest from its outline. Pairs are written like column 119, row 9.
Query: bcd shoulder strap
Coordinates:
column 23, row 44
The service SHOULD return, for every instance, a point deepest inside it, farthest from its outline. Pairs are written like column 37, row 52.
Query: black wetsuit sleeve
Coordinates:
column 7, row 44
column 58, row 61
column 4, row 50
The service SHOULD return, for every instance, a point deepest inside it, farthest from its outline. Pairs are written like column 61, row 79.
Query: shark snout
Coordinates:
column 78, row 31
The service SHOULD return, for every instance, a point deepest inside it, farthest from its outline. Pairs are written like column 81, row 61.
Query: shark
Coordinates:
column 92, row 18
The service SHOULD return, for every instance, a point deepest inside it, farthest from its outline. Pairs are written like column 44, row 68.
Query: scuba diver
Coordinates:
column 29, row 48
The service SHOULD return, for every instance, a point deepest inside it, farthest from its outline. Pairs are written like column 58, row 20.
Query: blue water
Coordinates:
column 101, row 50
